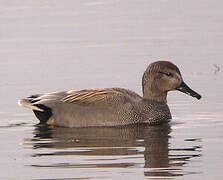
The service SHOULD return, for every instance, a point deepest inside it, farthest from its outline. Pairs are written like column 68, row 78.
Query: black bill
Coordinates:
column 185, row 89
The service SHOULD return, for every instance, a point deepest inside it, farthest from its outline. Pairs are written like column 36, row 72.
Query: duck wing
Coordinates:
column 86, row 97
column 109, row 96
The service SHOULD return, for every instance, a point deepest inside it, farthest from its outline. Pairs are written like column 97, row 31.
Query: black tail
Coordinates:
column 43, row 116
column 42, row 112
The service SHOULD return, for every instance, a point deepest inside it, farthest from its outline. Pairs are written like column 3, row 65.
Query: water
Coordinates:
column 50, row 46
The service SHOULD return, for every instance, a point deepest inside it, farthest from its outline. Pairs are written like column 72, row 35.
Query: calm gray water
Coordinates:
column 59, row 45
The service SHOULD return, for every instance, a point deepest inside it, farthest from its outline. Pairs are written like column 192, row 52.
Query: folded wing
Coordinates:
column 99, row 96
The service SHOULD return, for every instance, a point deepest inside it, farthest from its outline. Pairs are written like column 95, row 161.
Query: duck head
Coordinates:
column 161, row 77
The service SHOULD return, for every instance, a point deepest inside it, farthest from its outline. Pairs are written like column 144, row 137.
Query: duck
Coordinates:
column 112, row 106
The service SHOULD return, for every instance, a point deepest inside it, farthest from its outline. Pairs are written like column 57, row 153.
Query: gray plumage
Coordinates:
column 112, row 106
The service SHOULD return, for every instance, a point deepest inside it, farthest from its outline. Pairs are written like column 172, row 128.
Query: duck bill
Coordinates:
column 185, row 89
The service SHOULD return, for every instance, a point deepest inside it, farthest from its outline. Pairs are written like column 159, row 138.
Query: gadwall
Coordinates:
column 112, row 106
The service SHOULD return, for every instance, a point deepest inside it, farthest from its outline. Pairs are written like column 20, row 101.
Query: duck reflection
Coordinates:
column 123, row 140
column 150, row 143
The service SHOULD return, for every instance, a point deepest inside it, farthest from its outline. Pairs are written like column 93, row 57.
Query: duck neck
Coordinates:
column 155, row 96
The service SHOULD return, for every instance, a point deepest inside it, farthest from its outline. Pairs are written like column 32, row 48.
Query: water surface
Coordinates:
column 50, row 46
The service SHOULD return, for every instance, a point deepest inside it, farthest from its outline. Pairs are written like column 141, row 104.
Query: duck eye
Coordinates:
column 169, row 74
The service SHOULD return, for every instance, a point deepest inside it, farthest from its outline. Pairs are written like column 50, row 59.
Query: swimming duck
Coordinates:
column 112, row 106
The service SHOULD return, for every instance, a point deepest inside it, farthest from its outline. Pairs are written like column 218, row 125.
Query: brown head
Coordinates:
column 161, row 77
